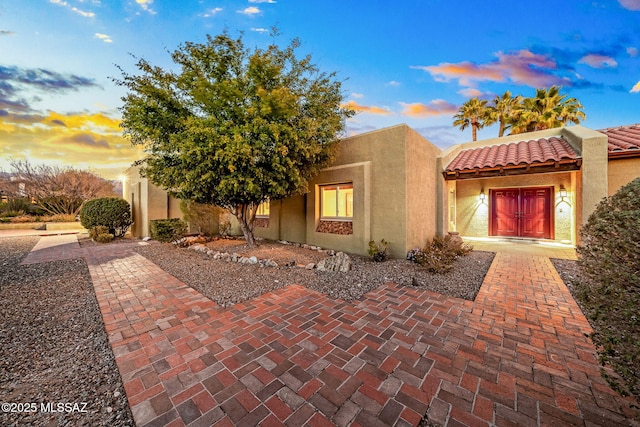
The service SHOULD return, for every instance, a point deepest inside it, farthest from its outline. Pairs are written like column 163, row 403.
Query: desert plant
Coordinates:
column 94, row 232
column 10, row 214
column 202, row 218
column 167, row 230
column 19, row 204
column 58, row 218
column 23, row 218
column 104, row 237
column 378, row 251
column 111, row 212
column 608, row 287
column 439, row 254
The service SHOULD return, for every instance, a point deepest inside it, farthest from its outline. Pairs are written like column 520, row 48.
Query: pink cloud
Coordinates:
column 523, row 67
column 470, row 92
column 630, row 4
column 434, row 108
column 371, row 109
column 598, row 61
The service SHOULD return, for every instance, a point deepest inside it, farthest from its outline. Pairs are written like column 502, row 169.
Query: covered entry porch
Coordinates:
column 519, row 190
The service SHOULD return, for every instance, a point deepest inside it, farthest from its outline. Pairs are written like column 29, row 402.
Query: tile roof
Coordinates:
column 623, row 140
column 532, row 152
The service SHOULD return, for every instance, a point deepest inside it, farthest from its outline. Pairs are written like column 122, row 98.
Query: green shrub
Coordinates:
column 111, row 212
column 202, row 218
column 438, row 255
column 94, row 232
column 608, row 287
column 167, row 230
column 378, row 251
column 104, row 237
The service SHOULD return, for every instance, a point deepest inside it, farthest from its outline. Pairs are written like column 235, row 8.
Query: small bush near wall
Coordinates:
column 201, row 218
column 438, row 255
column 608, row 288
column 94, row 232
column 111, row 212
column 167, row 230
column 378, row 251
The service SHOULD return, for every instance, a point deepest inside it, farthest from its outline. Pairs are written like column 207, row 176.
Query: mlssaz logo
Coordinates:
column 63, row 407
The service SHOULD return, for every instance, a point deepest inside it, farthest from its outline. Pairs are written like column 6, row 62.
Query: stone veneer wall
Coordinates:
column 335, row 227
column 261, row 222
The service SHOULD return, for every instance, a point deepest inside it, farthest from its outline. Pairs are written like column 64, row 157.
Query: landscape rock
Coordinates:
column 339, row 262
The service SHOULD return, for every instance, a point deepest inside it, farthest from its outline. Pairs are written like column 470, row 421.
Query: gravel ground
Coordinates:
column 53, row 346
column 230, row 283
column 568, row 271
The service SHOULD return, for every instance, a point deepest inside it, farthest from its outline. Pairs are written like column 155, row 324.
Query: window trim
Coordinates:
column 337, row 187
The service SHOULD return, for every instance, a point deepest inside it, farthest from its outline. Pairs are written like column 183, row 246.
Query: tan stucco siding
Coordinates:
column 472, row 216
column 376, row 164
column 422, row 178
column 360, row 175
column 592, row 146
column 286, row 220
column 147, row 202
column 622, row 172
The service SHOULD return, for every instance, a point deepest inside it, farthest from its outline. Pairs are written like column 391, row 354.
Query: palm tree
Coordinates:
column 472, row 113
column 548, row 109
column 503, row 109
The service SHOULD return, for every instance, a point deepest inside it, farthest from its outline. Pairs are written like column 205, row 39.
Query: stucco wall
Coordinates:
column 393, row 172
column 621, row 172
column 147, row 202
column 472, row 216
column 592, row 146
column 360, row 175
column 421, row 200
column 286, row 220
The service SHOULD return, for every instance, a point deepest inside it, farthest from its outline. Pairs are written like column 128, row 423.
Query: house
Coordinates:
column 395, row 185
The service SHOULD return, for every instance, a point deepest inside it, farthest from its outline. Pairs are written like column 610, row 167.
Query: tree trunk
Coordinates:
column 501, row 131
column 246, row 215
column 474, row 132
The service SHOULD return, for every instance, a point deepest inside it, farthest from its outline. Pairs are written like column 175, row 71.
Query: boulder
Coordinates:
column 338, row 262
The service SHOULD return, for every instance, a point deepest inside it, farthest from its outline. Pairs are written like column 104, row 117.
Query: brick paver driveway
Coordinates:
column 518, row 355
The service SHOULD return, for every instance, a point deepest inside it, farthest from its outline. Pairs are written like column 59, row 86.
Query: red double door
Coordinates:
column 521, row 212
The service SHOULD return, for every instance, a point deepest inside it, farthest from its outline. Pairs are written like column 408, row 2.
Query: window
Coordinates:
column 336, row 201
column 263, row 210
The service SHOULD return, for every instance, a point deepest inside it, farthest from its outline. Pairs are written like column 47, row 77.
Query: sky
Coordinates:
column 406, row 61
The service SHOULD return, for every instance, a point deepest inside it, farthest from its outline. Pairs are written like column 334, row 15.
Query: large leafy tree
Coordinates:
column 548, row 109
column 233, row 127
column 475, row 114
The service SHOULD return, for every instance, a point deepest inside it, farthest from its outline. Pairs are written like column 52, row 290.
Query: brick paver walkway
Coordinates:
column 518, row 355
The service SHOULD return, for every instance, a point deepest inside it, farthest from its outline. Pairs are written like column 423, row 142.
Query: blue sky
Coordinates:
column 411, row 62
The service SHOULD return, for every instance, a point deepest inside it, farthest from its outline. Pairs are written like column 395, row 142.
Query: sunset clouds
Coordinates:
column 598, row 61
column 21, row 85
column 91, row 140
column 370, row 109
column 434, row 108
column 86, row 140
column 522, row 68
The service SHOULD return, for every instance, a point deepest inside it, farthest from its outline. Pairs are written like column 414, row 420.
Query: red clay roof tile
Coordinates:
column 524, row 152
column 623, row 139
